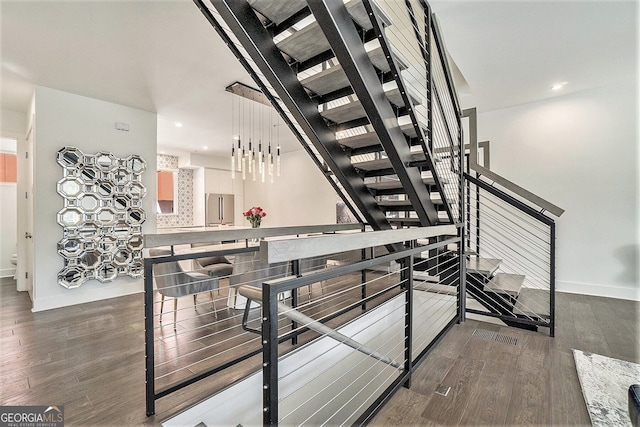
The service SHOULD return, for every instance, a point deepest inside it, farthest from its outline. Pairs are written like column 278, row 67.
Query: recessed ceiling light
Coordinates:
column 162, row 152
column 558, row 86
column 178, row 124
column 205, row 148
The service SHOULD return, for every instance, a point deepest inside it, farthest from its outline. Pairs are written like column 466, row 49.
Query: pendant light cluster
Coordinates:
column 250, row 159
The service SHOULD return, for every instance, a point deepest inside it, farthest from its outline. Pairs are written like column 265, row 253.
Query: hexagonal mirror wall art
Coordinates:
column 102, row 196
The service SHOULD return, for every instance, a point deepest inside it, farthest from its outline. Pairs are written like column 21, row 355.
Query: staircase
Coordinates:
column 503, row 294
column 331, row 68
column 366, row 88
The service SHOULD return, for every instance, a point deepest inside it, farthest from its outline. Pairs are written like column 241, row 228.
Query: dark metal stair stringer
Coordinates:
column 257, row 41
column 337, row 25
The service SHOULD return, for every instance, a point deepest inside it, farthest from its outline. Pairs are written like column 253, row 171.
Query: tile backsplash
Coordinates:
column 184, row 217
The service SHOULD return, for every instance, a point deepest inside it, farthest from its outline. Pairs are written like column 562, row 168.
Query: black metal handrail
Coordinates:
column 535, row 215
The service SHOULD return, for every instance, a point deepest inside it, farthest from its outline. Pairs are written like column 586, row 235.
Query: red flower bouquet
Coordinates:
column 254, row 216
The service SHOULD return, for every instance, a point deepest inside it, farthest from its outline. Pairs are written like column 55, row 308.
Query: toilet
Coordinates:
column 14, row 261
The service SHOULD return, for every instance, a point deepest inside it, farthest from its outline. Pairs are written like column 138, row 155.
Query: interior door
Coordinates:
column 25, row 207
column 227, row 208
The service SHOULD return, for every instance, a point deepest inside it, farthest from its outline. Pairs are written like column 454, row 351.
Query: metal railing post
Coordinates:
column 552, row 279
column 149, row 339
column 462, row 257
column 477, row 217
column 407, row 277
column 295, row 270
column 269, row 356
column 363, row 278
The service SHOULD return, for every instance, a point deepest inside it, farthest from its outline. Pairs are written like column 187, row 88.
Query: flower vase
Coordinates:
column 255, row 225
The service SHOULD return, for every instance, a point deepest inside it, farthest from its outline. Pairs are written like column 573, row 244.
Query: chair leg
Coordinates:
column 161, row 305
column 195, row 305
column 309, row 290
column 213, row 304
column 175, row 312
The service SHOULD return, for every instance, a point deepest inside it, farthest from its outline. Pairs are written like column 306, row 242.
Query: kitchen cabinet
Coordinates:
column 218, row 181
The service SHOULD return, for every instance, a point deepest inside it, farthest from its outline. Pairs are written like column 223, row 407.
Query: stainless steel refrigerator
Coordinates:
column 218, row 209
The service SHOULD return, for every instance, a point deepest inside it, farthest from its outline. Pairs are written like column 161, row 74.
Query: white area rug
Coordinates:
column 605, row 383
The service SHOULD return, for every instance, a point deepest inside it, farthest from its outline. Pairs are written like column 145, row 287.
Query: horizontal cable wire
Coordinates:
column 374, row 295
column 513, row 216
column 506, row 240
column 338, row 343
column 387, row 354
column 537, row 237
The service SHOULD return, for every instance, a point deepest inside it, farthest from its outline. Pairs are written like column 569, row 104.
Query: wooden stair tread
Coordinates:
column 345, row 113
column 354, row 110
column 326, row 81
column 378, row 164
column 485, row 266
column 394, row 203
column 533, row 303
column 504, row 283
column 360, row 141
column 396, row 184
column 379, row 60
column 436, row 198
column 277, row 11
column 409, row 130
column 425, row 277
column 311, row 41
column 404, row 220
column 436, row 288
column 305, row 44
column 371, row 138
column 443, row 218
column 385, row 185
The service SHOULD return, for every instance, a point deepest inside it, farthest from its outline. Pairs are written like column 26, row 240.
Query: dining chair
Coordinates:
column 173, row 282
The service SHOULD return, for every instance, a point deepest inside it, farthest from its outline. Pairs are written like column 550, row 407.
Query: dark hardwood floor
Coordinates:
column 90, row 358
column 532, row 383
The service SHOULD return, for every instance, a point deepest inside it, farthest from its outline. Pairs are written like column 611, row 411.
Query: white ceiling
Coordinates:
column 511, row 52
column 163, row 56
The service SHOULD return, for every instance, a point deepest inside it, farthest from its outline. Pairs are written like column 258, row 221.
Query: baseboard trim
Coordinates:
column 60, row 301
column 598, row 290
column 7, row 272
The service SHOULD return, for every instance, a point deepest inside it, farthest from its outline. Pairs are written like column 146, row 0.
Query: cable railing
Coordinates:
column 193, row 329
column 429, row 91
column 511, row 258
column 347, row 328
column 341, row 375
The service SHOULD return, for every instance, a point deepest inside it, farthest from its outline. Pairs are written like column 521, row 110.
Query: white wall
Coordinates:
column 579, row 151
column 301, row 195
column 12, row 123
column 65, row 119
